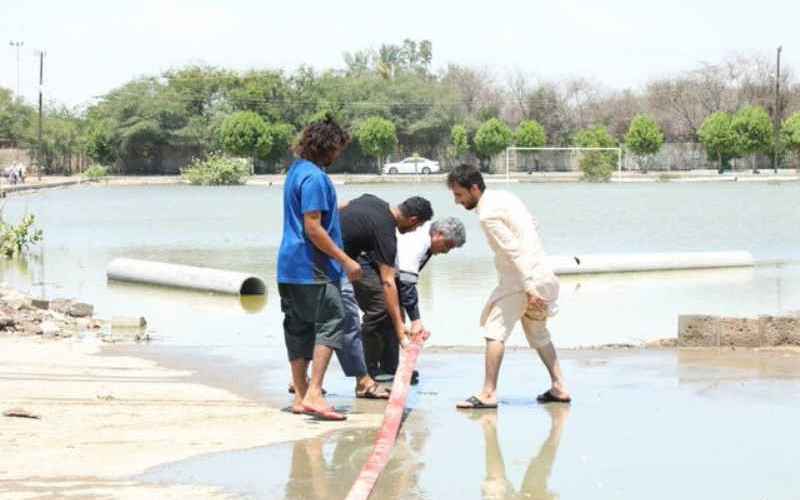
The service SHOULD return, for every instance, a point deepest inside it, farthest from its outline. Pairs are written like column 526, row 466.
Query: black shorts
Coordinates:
column 313, row 314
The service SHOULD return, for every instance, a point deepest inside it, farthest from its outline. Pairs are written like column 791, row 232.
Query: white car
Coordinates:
column 412, row 165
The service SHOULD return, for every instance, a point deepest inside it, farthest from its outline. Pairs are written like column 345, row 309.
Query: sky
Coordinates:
column 93, row 46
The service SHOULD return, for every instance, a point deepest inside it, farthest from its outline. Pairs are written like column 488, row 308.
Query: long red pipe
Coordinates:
column 392, row 418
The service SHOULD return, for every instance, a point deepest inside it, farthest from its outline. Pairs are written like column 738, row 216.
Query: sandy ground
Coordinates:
column 106, row 418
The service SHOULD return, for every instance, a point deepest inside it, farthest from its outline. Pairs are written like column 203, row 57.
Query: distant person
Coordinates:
column 23, row 172
column 370, row 226
column 311, row 264
column 414, row 250
column 527, row 288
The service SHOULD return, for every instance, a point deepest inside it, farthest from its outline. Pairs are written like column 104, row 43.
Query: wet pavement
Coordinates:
column 643, row 424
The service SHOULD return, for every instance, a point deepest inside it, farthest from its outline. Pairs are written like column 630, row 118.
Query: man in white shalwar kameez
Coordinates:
column 527, row 289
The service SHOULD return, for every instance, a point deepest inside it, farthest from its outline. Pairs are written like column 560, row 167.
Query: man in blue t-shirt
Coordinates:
column 311, row 264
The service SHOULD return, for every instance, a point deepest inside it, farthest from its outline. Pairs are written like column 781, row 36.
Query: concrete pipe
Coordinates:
column 195, row 278
column 621, row 263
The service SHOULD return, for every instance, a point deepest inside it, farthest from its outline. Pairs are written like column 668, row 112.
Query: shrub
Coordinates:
column 15, row 240
column 644, row 139
column 597, row 166
column 216, row 170
column 717, row 135
column 95, row 172
column 492, row 137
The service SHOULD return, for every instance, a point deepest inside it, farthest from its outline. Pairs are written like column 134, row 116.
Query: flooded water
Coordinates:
column 239, row 228
column 652, row 425
column 656, row 425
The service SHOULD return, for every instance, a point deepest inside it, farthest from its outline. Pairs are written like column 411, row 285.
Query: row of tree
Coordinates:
column 394, row 102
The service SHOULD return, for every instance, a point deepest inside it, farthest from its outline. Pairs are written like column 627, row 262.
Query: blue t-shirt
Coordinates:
column 308, row 189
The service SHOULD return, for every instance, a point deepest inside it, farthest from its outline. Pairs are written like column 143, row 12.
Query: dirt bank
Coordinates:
column 105, row 418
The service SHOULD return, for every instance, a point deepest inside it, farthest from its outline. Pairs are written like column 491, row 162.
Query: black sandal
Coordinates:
column 371, row 392
column 476, row 404
column 549, row 397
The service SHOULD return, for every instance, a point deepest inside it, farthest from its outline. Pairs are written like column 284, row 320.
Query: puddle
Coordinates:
column 643, row 425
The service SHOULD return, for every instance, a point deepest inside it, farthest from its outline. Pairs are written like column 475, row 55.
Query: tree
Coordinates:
column 459, row 140
column 492, row 137
column 100, row 144
column 246, row 134
column 790, row 135
column 530, row 134
column 753, row 129
column 644, row 139
column 281, row 136
column 597, row 166
column 717, row 135
column 377, row 137
column 15, row 118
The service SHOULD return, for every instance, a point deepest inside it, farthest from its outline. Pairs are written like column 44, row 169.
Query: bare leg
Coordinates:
column 299, row 371
column 495, row 350
column 547, row 354
column 313, row 395
column 534, row 483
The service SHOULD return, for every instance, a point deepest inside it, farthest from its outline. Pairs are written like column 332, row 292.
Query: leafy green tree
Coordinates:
column 281, row 136
column 459, row 140
column 717, row 135
column 644, row 139
column 492, row 137
column 753, row 129
column 790, row 135
column 597, row 166
column 246, row 134
column 100, row 145
column 530, row 134
column 63, row 140
column 377, row 137
column 15, row 118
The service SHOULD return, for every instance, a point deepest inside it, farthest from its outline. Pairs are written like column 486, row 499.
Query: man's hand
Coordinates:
column 404, row 339
column 416, row 327
column 352, row 269
column 535, row 301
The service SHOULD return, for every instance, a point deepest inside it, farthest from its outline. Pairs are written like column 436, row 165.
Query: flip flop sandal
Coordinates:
column 371, row 392
column 549, row 397
column 328, row 414
column 476, row 404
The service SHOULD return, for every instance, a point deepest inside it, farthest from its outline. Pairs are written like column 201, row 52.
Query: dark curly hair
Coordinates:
column 321, row 139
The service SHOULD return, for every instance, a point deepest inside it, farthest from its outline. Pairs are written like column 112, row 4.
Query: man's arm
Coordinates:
column 391, row 298
column 312, row 223
column 409, row 299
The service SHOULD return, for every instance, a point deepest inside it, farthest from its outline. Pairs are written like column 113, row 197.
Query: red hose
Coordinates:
column 392, row 418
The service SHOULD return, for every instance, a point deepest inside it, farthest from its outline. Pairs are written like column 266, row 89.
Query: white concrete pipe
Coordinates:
column 195, row 278
column 621, row 263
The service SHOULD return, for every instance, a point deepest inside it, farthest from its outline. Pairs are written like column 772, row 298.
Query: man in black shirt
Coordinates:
column 370, row 226
column 414, row 250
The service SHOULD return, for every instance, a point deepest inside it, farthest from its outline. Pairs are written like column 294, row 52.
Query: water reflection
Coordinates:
column 317, row 472
column 190, row 299
column 496, row 485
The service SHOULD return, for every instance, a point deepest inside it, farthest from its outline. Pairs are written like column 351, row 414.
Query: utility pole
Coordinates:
column 776, row 147
column 41, row 84
column 17, row 45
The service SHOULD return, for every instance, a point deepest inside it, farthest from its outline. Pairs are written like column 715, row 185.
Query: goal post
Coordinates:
column 514, row 149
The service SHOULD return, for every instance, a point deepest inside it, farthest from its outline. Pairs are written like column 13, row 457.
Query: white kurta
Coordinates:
column 512, row 233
